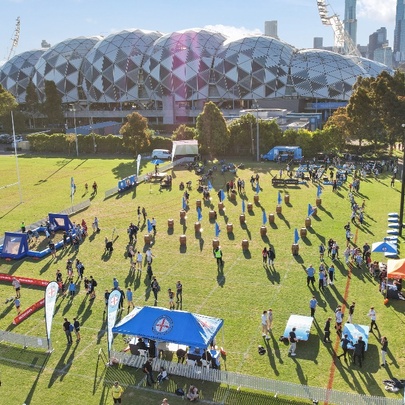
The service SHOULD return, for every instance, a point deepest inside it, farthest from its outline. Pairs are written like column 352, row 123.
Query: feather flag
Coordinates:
column 199, row 214
column 243, row 206
column 138, row 164
column 264, row 220
column 257, row 188
column 72, row 186
column 310, row 210
column 222, row 195
column 184, row 203
column 296, row 236
column 149, row 226
column 319, row 191
column 217, row 230
column 209, row 185
column 279, row 200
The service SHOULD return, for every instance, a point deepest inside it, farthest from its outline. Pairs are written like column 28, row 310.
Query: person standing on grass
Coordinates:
column 312, row 305
column 331, row 274
column 293, row 342
column 321, row 252
column 264, row 325
column 321, row 277
column 179, row 291
column 144, row 214
column 373, row 316
column 326, row 329
column 17, row 304
column 76, row 328
column 155, row 288
column 338, row 319
column 269, row 320
column 384, row 349
column 129, row 298
column 67, row 327
column 271, row 255
column 351, row 312
column 264, row 255
column 139, row 260
column 359, row 348
column 218, row 256
column 171, row 298
column 72, row 289
column 17, row 287
column 345, row 342
column 153, row 223
column 310, row 276
column 116, row 392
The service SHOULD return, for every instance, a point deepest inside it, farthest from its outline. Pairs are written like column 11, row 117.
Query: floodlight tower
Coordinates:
column 15, row 39
column 343, row 42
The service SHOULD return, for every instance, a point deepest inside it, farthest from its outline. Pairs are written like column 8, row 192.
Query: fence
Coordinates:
column 23, row 340
column 143, row 177
column 256, row 383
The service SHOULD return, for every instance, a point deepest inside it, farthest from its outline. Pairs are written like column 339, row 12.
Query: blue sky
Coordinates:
column 298, row 20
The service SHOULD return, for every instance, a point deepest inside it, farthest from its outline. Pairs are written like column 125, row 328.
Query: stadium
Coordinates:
column 168, row 78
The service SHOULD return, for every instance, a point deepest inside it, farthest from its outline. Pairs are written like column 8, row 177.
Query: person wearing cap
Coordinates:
column 116, row 392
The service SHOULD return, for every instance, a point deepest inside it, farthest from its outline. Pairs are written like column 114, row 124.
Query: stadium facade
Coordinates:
column 168, row 78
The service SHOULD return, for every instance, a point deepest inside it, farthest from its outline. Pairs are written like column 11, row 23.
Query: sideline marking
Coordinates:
column 337, row 343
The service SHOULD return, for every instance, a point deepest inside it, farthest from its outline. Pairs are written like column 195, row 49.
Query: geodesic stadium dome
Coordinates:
column 111, row 69
column 179, row 63
column 62, row 63
column 253, row 67
column 374, row 68
column 16, row 73
column 323, row 74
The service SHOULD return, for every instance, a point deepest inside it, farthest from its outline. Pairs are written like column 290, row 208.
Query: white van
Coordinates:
column 161, row 154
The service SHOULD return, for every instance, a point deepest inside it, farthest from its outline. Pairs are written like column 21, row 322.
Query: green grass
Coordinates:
column 239, row 296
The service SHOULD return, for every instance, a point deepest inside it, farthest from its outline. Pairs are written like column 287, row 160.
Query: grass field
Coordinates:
column 238, row 295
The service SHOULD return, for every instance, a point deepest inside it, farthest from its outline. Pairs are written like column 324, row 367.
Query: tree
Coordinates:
column 213, row 134
column 135, row 132
column 270, row 135
column 183, row 132
column 337, row 131
column 241, row 134
column 7, row 101
column 53, row 103
column 31, row 101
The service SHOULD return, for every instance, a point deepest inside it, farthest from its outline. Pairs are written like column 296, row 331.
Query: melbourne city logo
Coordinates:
column 163, row 325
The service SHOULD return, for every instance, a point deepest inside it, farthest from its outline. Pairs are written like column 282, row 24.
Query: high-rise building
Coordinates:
column 399, row 33
column 270, row 29
column 376, row 40
column 384, row 55
column 318, row 43
column 350, row 21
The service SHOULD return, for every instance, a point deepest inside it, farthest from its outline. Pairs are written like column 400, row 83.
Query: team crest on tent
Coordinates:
column 163, row 325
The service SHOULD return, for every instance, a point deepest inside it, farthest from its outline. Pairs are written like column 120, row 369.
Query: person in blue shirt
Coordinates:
column 129, row 298
column 310, row 276
column 72, row 289
column 331, row 274
column 312, row 305
column 115, row 284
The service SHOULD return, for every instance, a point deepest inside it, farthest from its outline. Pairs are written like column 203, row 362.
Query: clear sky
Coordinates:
column 298, row 20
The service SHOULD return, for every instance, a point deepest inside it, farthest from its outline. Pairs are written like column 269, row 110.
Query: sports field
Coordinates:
column 239, row 294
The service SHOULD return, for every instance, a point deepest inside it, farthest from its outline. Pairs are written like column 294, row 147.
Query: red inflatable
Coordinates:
column 29, row 311
column 24, row 280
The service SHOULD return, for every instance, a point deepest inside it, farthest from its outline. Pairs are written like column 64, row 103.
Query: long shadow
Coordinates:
column 282, row 217
column 221, row 275
column 30, row 395
column 52, row 174
column 10, row 211
column 271, row 356
column 57, row 372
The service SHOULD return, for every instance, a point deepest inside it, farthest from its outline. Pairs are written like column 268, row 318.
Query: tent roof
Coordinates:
column 166, row 325
column 396, row 268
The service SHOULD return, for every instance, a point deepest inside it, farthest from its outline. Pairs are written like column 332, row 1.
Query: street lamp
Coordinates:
column 401, row 208
column 73, row 109
column 256, row 105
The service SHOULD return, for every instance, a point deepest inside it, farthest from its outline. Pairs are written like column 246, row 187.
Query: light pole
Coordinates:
column 256, row 105
column 401, row 208
column 73, row 109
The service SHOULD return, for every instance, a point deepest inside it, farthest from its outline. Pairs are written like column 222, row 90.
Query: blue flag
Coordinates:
column 264, row 218
column 310, row 210
column 217, row 230
column 257, row 188
column 184, row 203
column 279, row 200
column 296, row 236
column 199, row 214
column 222, row 195
column 209, row 185
column 243, row 206
column 319, row 191
column 149, row 226
column 72, row 186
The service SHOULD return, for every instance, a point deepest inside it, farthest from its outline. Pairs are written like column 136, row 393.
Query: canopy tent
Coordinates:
column 15, row 245
column 383, row 247
column 396, row 268
column 185, row 148
column 161, row 324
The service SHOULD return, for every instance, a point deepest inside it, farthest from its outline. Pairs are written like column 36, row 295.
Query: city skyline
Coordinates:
column 57, row 21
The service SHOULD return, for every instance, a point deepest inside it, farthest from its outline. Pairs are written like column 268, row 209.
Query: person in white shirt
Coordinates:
column 372, row 315
column 264, row 325
column 139, row 259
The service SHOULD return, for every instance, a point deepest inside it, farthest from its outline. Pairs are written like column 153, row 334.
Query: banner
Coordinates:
column 209, row 185
column 184, row 203
column 149, row 226
column 257, row 188
column 243, row 206
column 72, row 187
column 112, row 310
column 319, row 191
column 199, row 214
column 138, row 164
column 296, row 236
column 264, row 217
column 310, row 210
column 29, row 311
column 217, row 230
column 51, row 294
column 279, row 200
column 222, row 195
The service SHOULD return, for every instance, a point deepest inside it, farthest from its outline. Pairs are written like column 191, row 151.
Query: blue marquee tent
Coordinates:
column 166, row 325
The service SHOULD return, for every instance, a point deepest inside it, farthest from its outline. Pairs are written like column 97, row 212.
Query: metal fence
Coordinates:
column 143, row 177
column 282, row 388
column 23, row 340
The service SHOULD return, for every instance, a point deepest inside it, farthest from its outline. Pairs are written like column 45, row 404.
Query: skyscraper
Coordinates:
column 350, row 21
column 270, row 29
column 399, row 33
column 376, row 40
column 318, row 43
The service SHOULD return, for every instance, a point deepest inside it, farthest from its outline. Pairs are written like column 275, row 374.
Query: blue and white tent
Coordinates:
column 161, row 324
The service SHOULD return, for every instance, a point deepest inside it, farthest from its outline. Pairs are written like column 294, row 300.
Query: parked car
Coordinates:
column 6, row 138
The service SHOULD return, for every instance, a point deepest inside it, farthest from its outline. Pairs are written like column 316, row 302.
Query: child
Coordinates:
column 162, row 375
column 171, row 298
